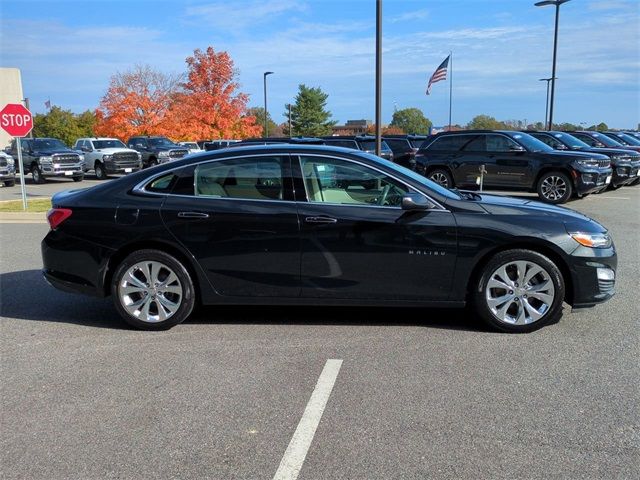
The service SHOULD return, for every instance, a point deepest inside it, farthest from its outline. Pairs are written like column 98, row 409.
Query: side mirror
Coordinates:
column 561, row 147
column 416, row 201
column 516, row 148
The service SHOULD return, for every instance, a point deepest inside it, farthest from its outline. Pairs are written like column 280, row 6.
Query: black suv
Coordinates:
column 624, row 163
column 511, row 160
column 155, row 150
column 366, row 143
column 404, row 148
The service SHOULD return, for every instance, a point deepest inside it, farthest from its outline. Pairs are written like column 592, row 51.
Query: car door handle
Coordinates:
column 193, row 215
column 320, row 220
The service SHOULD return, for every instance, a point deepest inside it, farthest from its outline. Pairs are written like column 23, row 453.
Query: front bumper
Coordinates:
column 595, row 180
column 593, row 274
column 624, row 173
column 62, row 170
column 126, row 167
column 7, row 175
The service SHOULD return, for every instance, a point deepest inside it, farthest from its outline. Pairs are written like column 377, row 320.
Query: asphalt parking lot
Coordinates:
column 47, row 189
column 419, row 393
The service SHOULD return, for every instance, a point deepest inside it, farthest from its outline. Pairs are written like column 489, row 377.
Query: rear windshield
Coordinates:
column 370, row 146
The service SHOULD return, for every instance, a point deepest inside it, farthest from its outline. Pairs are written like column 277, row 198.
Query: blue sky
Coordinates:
column 68, row 50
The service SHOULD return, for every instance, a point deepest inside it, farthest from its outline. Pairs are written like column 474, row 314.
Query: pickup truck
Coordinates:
column 156, row 150
column 108, row 155
column 7, row 170
column 49, row 157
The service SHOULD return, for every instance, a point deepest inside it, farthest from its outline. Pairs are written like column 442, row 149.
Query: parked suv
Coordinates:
column 155, row 150
column 511, row 160
column 366, row 143
column 108, row 155
column 49, row 157
column 628, row 141
column 624, row 163
column 7, row 170
column 404, row 148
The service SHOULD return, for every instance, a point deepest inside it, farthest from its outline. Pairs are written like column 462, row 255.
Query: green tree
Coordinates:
column 86, row 122
column 57, row 123
column 309, row 116
column 411, row 120
column 258, row 112
column 566, row 127
column 485, row 122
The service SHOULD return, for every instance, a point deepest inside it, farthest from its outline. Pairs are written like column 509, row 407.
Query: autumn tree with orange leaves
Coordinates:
column 137, row 102
column 206, row 106
column 209, row 105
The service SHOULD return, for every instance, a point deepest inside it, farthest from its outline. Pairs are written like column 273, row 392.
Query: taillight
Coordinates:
column 56, row 216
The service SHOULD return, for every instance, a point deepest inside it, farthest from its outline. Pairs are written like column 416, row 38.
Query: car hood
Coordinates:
column 501, row 205
column 53, row 151
column 115, row 150
column 607, row 151
column 577, row 154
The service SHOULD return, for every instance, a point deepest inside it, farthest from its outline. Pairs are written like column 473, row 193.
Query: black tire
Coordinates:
column 185, row 285
column 442, row 177
column 551, row 312
column 78, row 178
column 153, row 161
column 36, row 173
column 101, row 173
column 10, row 183
column 635, row 182
column 554, row 187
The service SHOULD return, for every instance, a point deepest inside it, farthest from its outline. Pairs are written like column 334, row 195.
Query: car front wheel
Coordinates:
column 36, row 173
column 554, row 187
column 519, row 291
column 152, row 290
column 101, row 173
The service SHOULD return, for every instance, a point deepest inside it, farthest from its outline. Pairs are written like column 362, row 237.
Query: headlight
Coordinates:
column 588, row 162
column 81, row 158
column 10, row 161
column 106, row 157
column 163, row 154
column 592, row 240
column 139, row 155
column 46, row 159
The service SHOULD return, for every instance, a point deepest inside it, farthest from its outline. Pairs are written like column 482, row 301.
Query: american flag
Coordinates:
column 439, row 75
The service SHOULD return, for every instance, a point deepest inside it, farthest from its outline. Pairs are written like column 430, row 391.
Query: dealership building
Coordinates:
column 10, row 92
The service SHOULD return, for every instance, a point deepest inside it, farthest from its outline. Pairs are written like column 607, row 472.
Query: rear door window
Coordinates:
column 251, row 178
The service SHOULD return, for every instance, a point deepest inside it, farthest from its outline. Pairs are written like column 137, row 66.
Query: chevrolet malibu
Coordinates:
column 316, row 225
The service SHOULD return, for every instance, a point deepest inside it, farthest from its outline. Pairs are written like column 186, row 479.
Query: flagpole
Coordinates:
column 450, row 85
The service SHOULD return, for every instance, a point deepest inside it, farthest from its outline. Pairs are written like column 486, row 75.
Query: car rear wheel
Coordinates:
column 9, row 183
column 441, row 177
column 554, row 187
column 101, row 173
column 152, row 290
column 519, row 291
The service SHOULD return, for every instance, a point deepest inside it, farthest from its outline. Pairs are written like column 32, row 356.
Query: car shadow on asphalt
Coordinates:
column 25, row 295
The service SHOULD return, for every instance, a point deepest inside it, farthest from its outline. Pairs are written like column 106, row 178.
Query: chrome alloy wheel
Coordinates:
column 554, row 188
column 520, row 292
column 440, row 178
column 150, row 291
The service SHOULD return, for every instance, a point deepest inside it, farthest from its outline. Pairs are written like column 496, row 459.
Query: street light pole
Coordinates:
column 557, row 4
column 378, row 76
column 546, row 107
column 265, row 131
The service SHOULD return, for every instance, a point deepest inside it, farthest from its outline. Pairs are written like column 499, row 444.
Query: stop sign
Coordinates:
column 16, row 120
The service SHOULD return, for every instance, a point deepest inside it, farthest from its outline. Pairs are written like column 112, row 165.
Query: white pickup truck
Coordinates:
column 108, row 155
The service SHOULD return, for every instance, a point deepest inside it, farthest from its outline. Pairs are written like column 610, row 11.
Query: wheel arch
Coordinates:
column 166, row 247
column 557, row 168
column 534, row 245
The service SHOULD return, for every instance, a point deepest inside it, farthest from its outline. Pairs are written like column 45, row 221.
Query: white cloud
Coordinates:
column 410, row 16
column 237, row 15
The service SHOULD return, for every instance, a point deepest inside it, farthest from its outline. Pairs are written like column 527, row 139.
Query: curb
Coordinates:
column 23, row 217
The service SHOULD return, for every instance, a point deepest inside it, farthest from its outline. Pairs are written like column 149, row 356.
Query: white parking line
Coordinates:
column 296, row 452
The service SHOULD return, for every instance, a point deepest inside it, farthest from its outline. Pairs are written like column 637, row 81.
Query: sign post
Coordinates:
column 17, row 121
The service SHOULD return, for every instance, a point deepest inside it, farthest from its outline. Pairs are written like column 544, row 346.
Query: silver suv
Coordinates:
column 108, row 155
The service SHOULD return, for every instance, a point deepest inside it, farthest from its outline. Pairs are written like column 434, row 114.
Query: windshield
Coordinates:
column 629, row 139
column 161, row 142
column 47, row 144
column 370, row 146
column 570, row 140
column 416, row 176
column 98, row 144
column 530, row 143
column 606, row 141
